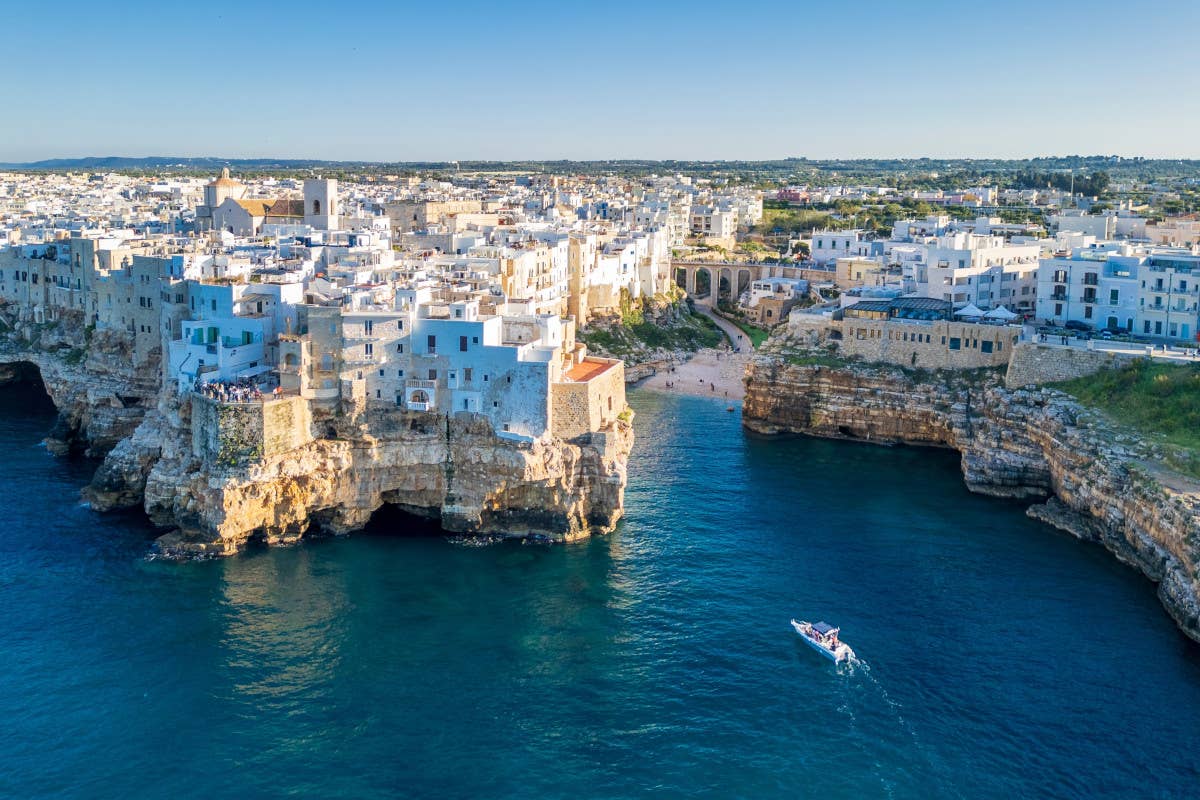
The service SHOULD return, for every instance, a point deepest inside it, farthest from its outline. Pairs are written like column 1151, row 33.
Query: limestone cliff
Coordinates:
column 453, row 469
column 1103, row 485
column 355, row 458
column 101, row 394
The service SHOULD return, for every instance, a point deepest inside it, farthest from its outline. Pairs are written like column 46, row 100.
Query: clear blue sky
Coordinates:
column 455, row 79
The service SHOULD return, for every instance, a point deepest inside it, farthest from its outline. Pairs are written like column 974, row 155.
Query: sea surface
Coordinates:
column 998, row 657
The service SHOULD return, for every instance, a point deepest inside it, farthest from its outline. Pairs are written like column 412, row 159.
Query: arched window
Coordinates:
column 316, row 206
column 420, row 396
column 290, row 360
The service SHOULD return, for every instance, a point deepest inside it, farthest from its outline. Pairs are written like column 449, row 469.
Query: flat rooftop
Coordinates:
column 588, row 369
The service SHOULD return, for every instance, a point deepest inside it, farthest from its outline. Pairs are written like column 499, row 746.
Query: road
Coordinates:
column 736, row 337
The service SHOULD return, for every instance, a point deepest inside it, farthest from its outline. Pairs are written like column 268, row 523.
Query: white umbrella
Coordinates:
column 970, row 310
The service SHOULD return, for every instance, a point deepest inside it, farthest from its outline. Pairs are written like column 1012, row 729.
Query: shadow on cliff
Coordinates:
column 23, row 394
column 391, row 520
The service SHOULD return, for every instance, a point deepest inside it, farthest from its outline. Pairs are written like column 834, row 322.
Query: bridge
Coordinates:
column 698, row 278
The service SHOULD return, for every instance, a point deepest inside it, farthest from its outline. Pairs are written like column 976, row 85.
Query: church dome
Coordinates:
column 225, row 180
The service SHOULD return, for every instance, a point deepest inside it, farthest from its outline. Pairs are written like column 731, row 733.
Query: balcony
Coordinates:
column 1059, row 296
column 420, row 384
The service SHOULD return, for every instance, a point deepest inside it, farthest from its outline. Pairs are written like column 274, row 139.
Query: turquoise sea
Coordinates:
column 998, row 657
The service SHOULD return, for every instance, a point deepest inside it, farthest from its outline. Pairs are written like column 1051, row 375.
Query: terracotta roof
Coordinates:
column 225, row 180
column 286, row 208
column 588, row 369
column 256, row 208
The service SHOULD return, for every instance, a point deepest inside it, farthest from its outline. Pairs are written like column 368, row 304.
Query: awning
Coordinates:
column 1000, row 312
column 969, row 310
column 251, row 372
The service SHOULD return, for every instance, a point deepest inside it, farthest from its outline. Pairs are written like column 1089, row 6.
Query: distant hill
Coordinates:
column 904, row 173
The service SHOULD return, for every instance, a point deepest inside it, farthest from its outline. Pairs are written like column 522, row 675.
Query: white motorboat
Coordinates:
column 823, row 638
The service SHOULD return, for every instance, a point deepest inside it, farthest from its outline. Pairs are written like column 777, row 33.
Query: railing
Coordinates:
column 414, row 384
column 1059, row 296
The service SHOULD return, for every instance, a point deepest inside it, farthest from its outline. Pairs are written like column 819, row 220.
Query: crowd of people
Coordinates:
column 243, row 390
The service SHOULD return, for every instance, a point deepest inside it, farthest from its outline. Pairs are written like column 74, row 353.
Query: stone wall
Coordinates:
column 1035, row 364
column 236, row 434
column 928, row 345
column 582, row 407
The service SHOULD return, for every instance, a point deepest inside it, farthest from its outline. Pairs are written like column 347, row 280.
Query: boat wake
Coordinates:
column 894, row 709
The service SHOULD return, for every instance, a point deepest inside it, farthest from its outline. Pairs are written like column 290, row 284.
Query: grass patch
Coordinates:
column 636, row 333
column 757, row 335
column 1160, row 401
column 815, row 359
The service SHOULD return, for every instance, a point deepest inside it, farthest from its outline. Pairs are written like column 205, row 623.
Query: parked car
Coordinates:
column 1076, row 325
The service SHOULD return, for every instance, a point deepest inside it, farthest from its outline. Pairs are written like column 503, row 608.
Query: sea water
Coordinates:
column 997, row 657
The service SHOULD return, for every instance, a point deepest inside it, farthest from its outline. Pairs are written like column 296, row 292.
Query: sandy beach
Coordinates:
column 710, row 373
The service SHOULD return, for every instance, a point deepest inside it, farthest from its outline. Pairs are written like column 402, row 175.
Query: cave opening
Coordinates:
column 23, row 392
column 399, row 521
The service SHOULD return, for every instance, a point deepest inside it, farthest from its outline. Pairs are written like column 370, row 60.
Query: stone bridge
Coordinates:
column 698, row 278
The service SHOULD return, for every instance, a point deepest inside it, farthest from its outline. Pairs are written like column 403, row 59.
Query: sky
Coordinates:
column 459, row 79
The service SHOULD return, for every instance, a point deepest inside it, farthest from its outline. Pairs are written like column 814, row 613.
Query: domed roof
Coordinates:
column 225, row 180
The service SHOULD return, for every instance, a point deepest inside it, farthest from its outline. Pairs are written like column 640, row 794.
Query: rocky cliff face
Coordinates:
column 455, row 470
column 100, row 393
column 1102, row 485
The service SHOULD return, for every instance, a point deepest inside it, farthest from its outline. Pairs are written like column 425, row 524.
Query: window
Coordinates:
column 1087, row 312
column 381, row 373
column 1058, row 309
column 467, row 374
column 955, row 343
column 985, row 347
column 433, row 374
column 431, row 343
column 1114, row 296
column 368, row 327
column 369, row 349
column 462, row 343
column 485, row 377
column 400, row 347
column 474, row 340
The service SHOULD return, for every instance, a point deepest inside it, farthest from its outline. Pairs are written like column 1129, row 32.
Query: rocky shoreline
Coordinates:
column 454, row 470
column 1096, row 482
